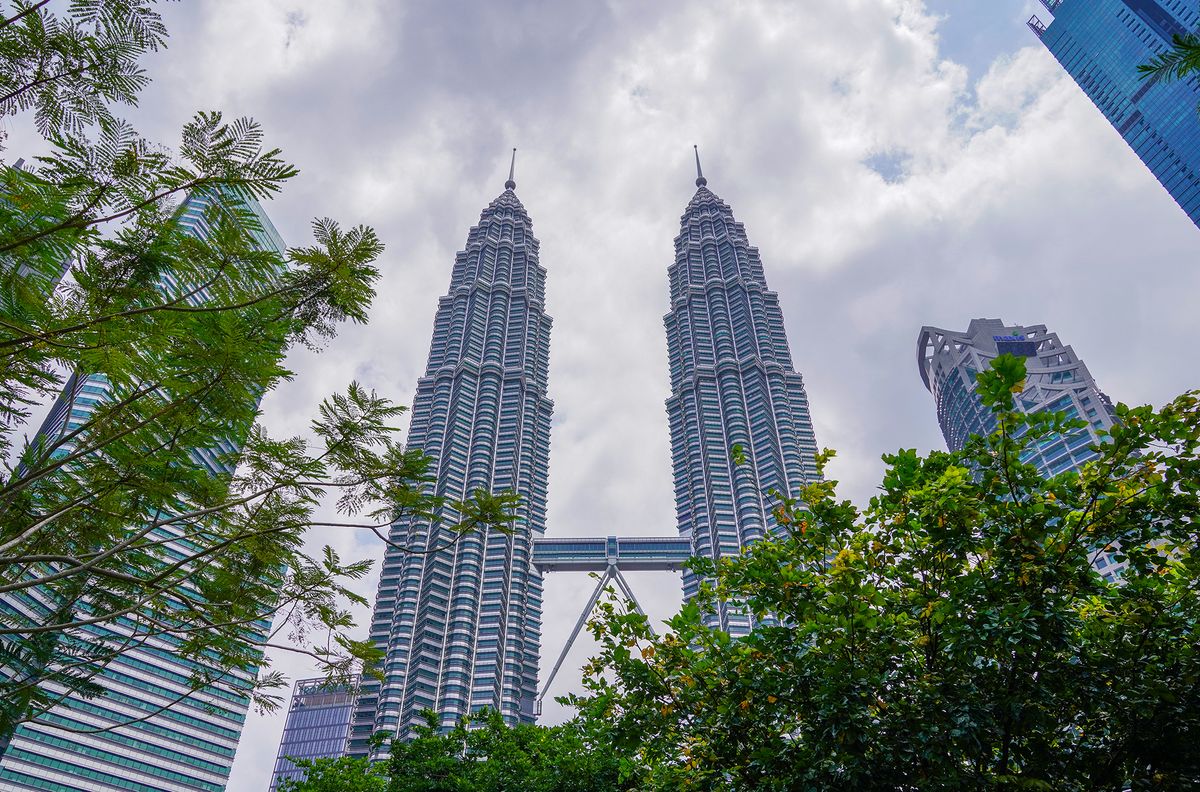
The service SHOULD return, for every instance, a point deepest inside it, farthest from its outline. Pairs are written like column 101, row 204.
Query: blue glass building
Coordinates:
column 1057, row 381
column 732, row 383
column 461, row 626
column 187, row 748
column 318, row 725
column 1101, row 43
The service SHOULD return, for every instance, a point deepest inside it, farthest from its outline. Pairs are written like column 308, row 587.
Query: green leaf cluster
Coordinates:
column 1177, row 62
column 1181, row 59
column 68, row 69
column 338, row 775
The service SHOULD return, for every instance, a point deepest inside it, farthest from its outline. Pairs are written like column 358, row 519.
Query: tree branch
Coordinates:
column 17, row 17
column 46, row 80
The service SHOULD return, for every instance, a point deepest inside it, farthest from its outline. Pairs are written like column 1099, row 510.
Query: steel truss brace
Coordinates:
column 611, row 573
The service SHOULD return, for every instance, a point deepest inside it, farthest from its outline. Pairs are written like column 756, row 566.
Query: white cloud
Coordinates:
column 1016, row 199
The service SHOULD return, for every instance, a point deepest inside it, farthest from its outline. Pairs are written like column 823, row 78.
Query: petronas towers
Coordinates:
column 460, row 622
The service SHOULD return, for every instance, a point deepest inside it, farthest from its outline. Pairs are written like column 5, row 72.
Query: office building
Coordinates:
column 1058, row 381
column 318, row 725
column 732, row 384
column 1101, row 43
column 460, row 626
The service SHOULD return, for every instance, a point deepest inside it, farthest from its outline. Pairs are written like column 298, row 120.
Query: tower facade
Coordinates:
column 1101, row 43
column 149, row 730
column 1057, row 381
column 732, row 384
column 461, row 626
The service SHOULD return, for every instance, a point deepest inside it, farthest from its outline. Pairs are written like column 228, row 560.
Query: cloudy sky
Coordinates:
column 898, row 163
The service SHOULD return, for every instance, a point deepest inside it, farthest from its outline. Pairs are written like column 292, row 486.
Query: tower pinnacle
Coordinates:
column 700, row 180
column 510, row 184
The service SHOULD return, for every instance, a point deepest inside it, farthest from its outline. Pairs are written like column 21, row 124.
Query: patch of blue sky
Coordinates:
column 975, row 34
column 892, row 166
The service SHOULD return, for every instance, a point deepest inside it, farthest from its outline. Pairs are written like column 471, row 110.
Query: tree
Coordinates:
column 68, row 70
column 480, row 755
column 952, row 635
column 338, row 775
column 486, row 755
column 113, row 535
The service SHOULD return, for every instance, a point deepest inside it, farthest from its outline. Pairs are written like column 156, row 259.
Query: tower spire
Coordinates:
column 700, row 180
column 512, row 167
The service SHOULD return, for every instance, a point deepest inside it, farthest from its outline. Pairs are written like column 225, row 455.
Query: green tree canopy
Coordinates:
column 486, row 755
column 342, row 774
column 69, row 69
column 953, row 635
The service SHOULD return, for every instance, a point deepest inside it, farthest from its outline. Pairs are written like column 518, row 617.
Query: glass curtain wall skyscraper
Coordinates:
column 732, row 384
column 187, row 748
column 1058, row 381
column 318, row 725
column 461, row 626
column 1101, row 43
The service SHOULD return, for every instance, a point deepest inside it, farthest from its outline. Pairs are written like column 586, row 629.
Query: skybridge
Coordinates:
column 598, row 553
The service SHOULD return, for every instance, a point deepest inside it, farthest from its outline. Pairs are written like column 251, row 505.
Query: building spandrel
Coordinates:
column 1101, row 44
column 460, row 626
column 732, row 384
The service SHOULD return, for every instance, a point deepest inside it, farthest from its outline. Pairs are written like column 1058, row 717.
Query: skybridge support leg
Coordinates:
column 623, row 584
column 612, row 572
column 583, row 617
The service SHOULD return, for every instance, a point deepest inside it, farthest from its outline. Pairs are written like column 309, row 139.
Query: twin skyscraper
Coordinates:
column 461, row 626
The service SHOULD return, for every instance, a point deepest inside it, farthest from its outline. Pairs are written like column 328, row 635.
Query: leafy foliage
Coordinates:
column 338, row 775
column 484, row 755
column 1181, row 60
column 493, row 757
column 114, row 534
column 952, row 635
column 69, row 69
